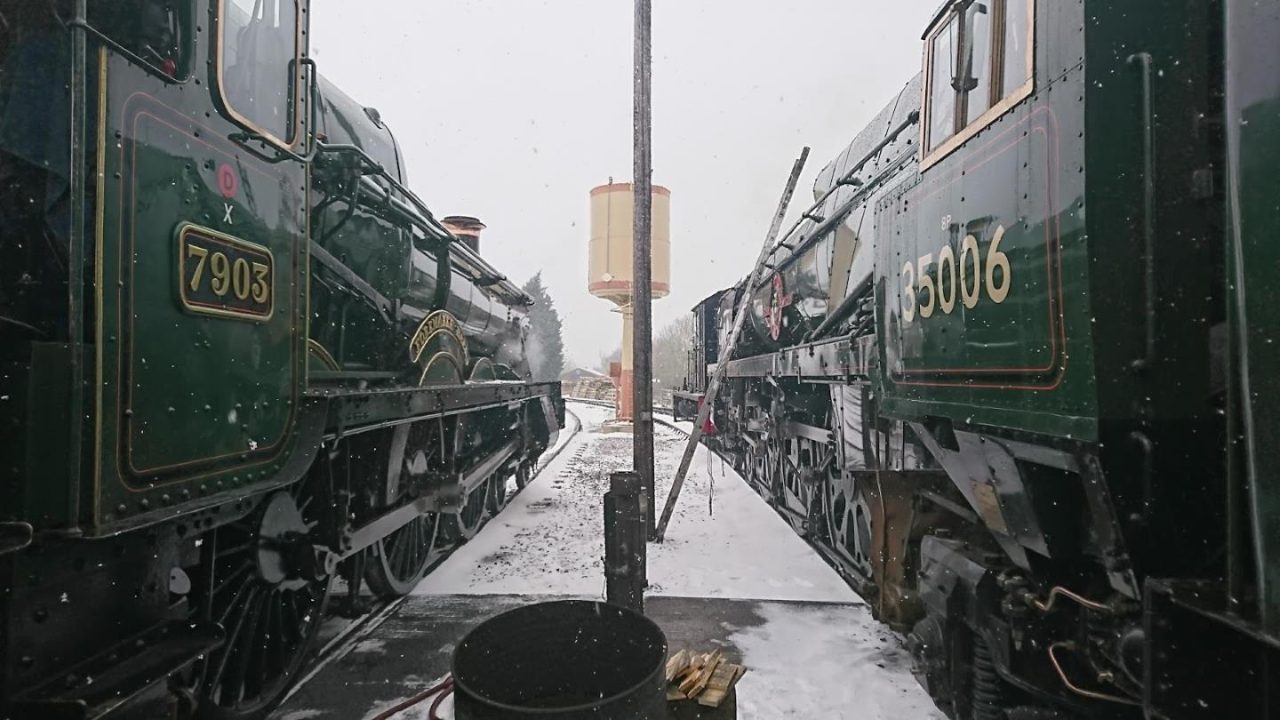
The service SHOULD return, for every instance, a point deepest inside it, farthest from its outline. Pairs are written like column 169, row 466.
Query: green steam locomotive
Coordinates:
column 238, row 360
column 1012, row 372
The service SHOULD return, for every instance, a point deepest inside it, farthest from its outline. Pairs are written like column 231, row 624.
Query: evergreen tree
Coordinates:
column 545, row 346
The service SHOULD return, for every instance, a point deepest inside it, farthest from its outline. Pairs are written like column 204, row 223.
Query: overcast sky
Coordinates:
column 512, row 110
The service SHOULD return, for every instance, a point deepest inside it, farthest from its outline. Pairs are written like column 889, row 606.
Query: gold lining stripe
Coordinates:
column 431, row 362
column 323, row 354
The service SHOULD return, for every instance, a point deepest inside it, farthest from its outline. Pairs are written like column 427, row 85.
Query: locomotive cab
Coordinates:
column 226, row 326
column 35, row 136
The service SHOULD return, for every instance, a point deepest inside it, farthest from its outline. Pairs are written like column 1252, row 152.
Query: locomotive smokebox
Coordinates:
column 467, row 229
column 569, row 659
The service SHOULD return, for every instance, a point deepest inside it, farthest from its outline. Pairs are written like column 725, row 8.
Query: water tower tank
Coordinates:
column 609, row 256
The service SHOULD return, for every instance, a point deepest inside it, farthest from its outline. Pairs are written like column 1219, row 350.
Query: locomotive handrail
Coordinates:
column 101, row 37
column 847, row 179
column 414, row 211
column 843, row 310
column 1143, row 61
column 834, row 219
column 280, row 154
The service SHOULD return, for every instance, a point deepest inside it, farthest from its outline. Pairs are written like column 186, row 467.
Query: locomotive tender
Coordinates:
column 238, row 359
column 1013, row 373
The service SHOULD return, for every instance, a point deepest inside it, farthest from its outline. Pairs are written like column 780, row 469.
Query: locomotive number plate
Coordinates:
column 224, row 276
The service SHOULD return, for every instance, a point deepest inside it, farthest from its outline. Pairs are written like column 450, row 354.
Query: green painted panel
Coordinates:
column 996, row 329
column 203, row 331
column 977, row 294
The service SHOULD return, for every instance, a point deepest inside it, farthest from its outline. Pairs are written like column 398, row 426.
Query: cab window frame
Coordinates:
column 1000, row 99
column 297, row 88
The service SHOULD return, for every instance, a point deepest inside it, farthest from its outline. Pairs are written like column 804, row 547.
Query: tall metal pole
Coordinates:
column 726, row 352
column 642, row 271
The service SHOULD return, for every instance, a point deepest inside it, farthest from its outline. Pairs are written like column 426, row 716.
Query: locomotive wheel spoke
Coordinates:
column 404, row 556
column 269, row 612
column 234, row 549
column 232, row 577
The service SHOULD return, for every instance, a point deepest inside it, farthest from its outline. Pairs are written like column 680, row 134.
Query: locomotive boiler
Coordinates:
column 239, row 360
column 1007, row 374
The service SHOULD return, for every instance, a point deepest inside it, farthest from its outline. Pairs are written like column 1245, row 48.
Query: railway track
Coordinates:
column 344, row 641
column 360, row 627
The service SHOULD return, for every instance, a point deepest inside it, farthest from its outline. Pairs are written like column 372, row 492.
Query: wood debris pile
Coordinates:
column 705, row 677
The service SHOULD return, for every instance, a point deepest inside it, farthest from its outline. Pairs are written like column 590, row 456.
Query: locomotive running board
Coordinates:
column 354, row 411
column 831, row 360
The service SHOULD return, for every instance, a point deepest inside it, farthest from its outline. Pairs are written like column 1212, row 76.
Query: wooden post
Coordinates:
column 624, row 542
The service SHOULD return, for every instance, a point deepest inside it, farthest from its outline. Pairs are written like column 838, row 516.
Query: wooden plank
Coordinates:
column 696, row 683
column 720, row 684
column 678, row 663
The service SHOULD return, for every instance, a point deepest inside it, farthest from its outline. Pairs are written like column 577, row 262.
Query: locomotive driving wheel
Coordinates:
column 523, row 475
column 262, row 585
column 462, row 525
column 498, row 496
column 402, row 558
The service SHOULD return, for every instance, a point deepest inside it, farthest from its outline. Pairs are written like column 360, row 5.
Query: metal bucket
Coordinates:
column 568, row 659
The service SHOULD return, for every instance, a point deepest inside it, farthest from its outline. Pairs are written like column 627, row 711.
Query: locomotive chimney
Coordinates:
column 466, row 228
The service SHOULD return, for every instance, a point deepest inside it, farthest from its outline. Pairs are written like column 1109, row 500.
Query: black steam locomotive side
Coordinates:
column 238, row 360
column 1011, row 372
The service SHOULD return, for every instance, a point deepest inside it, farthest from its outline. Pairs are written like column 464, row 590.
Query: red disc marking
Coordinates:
column 228, row 183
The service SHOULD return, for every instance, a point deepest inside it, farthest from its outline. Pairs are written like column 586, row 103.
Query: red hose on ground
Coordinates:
column 435, row 705
column 444, row 687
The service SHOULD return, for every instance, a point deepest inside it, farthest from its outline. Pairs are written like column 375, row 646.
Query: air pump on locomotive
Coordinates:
column 238, row 359
column 1013, row 373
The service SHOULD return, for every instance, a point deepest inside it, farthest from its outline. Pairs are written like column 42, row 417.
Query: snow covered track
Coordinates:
column 732, row 574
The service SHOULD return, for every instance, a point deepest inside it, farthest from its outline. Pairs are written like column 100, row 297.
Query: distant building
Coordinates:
column 588, row 384
column 580, row 373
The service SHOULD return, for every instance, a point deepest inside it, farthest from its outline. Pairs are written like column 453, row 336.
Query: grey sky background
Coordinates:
column 512, row 110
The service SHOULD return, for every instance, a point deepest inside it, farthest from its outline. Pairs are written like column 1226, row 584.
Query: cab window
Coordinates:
column 978, row 63
column 942, row 99
column 259, row 55
column 155, row 31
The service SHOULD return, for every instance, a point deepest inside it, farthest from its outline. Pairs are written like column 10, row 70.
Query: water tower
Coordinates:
column 609, row 261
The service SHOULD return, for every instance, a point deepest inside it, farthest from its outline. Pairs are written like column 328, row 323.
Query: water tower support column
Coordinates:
column 626, row 379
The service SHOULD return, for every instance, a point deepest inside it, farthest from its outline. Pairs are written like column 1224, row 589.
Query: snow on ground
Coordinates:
column 723, row 541
column 823, row 661
column 813, row 651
